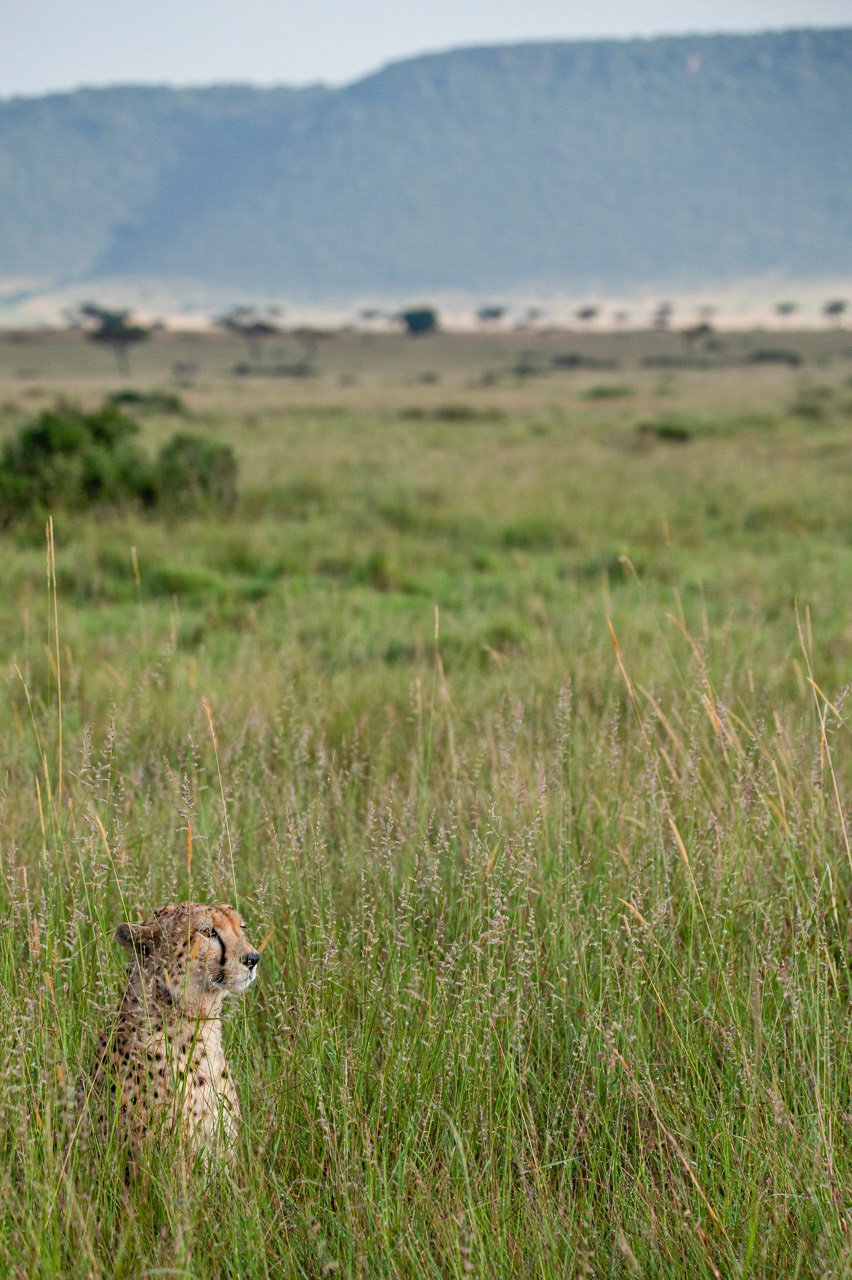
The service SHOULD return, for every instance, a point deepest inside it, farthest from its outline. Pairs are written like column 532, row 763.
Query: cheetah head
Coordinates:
column 193, row 954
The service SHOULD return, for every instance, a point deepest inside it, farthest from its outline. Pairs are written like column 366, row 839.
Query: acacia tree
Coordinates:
column 694, row 333
column 371, row 315
column 586, row 314
column 663, row 315
column 491, row 313
column 113, row 329
column 835, row 309
column 252, row 326
column 308, row 340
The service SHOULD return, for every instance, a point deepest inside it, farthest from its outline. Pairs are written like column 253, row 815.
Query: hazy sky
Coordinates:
column 60, row 44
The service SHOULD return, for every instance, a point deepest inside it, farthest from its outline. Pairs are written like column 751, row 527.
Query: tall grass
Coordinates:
column 552, row 990
column 558, row 977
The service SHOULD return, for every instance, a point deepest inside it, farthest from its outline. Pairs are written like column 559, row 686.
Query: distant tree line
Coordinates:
column 120, row 331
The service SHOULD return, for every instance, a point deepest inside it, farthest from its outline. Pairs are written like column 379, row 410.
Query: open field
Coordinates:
column 558, row 982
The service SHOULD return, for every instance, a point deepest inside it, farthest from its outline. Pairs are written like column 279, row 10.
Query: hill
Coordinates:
column 582, row 165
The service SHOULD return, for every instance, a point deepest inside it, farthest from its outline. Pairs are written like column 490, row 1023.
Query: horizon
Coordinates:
column 102, row 57
column 260, row 86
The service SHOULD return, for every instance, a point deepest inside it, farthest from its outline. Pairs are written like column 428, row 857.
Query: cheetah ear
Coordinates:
column 138, row 938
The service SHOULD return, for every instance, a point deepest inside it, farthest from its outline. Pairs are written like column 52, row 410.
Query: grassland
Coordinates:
column 558, row 982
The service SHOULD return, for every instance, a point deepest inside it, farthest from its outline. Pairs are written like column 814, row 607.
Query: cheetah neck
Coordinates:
column 150, row 1003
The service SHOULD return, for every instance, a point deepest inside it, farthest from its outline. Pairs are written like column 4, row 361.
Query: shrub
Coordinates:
column 536, row 532
column 528, row 366
column 193, row 473
column 577, row 360
column 419, row 320
column 148, row 401
column 457, row 412
column 373, row 571
column 674, row 362
column 301, row 368
column 774, row 355
column 813, row 403
column 76, row 460
column 607, row 391
column 674, row 429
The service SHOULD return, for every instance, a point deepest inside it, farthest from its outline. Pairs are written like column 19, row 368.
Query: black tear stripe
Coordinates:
column 221, row 975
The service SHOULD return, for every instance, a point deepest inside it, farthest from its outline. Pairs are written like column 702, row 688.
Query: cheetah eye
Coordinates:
column 208, row 932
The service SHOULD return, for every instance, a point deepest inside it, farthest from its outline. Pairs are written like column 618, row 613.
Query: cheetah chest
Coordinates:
column 199, row 1087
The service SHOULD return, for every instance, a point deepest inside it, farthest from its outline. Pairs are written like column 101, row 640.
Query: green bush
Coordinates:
column 577, row 360
column 418, row 320
column 148, row 401
column 607, row 391
column 675, row 429
column 813, row 403
column 456, row 412
column 75, row 460
column 194, row 473
column 774, row 355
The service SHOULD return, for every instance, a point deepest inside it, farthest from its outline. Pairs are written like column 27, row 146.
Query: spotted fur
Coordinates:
column 161, row 1069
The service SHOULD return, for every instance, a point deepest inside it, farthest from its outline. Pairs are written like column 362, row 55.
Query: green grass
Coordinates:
column 558, row 981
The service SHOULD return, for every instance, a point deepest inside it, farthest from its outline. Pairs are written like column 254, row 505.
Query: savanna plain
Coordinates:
column 508, row 704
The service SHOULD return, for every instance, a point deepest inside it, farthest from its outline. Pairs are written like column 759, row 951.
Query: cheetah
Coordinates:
column 161, row 1070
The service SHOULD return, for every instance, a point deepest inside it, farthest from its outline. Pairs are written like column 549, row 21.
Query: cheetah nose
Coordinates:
column 251, row 958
